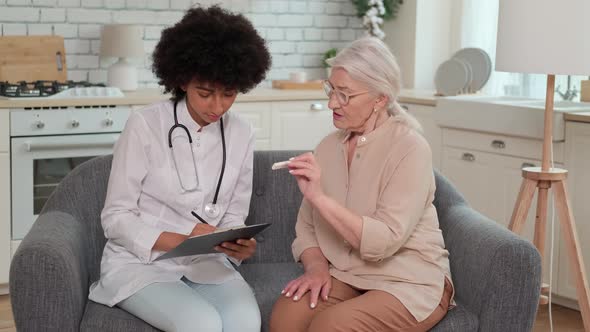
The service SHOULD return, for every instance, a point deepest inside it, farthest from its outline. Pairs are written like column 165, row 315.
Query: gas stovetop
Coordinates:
column 24, row 89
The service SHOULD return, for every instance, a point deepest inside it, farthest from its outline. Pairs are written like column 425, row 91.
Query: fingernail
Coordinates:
column 295, row 298
column 313, row 305
column 288, row 294
column 326, row 298
column 291, row 171
column 283, row 291
column 291, row 158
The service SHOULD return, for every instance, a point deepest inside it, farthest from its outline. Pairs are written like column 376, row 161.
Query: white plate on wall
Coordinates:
column 481, row 66
column 452, row 76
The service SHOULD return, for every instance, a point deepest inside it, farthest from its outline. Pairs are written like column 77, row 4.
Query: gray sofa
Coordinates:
column 496, row 274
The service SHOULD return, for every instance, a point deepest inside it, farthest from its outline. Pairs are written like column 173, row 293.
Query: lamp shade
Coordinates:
column 543, row 37
column 121, row 41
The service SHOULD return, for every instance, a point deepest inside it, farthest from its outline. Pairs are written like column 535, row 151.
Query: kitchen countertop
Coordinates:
column 578, row 117
column 150, row 95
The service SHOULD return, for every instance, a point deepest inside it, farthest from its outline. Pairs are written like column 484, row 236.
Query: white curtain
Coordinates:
column 476, row 26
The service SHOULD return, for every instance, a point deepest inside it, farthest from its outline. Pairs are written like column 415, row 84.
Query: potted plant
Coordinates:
column 374, row 12
column 327, row 55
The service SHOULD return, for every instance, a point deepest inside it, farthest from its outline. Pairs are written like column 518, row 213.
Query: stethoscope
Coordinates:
column 211, row 209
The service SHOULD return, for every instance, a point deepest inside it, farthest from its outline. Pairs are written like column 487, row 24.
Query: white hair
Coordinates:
column 368, row 60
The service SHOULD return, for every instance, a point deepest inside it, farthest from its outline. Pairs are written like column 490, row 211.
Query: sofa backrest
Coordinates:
column 275, row 199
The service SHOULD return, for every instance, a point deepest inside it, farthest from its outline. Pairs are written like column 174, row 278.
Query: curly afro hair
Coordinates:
column 211, row 45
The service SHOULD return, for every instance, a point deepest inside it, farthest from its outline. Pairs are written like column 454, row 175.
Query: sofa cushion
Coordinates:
column 458, row 319
column 268, row 280
column 99, row 317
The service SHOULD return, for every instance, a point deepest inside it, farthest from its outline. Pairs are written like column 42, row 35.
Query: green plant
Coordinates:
column 391, row 7
column 329, row 54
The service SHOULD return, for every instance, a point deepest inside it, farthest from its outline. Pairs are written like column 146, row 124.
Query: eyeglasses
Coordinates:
column 341, row 97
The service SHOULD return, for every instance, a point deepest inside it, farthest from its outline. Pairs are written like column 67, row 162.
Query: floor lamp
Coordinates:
column 547, row 37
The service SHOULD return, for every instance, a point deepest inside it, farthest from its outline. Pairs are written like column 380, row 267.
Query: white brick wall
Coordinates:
column 297, row 32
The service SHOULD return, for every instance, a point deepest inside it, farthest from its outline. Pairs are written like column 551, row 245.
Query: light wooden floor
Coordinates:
column 564, row 319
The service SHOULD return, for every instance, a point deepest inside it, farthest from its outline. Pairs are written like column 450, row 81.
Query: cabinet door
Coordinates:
column 475, row 174
column 577, row 160
column 432, row 132
column 4, row 217
column 259, row 115
column 300, row 125
column 491, row 183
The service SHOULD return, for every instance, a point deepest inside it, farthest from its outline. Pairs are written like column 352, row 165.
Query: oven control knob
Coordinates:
column 108, row 122
column 75, row 123
column 39, row 124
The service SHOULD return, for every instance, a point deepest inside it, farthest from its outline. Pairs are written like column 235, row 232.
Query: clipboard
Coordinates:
column 204, row 244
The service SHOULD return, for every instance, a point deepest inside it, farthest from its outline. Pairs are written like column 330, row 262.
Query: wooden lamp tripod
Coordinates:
column 531, row 39
column 543, row 178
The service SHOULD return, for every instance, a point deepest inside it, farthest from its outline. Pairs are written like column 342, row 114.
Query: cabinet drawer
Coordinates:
column 500, row 144
column 258, row 114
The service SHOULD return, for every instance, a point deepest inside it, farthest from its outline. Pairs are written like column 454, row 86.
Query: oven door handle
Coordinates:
column 106, row 142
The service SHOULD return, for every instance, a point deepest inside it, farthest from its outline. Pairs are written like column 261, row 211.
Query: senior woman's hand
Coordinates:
column 307, row 172
column 316, row 279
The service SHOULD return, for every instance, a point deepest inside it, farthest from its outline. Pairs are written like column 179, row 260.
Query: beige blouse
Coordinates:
column 391, row 185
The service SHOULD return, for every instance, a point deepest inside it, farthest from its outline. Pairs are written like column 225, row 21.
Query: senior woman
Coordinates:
column 367, row 232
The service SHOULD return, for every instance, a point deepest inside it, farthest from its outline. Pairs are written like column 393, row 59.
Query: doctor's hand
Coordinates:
column 201, row 229
column 307, row 172
column 316, row 280
column 241, row 249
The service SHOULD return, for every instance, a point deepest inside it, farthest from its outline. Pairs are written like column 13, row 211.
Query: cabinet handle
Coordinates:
column 316, row 107
column 527, row 165
column 468, row 156
column 498, row 144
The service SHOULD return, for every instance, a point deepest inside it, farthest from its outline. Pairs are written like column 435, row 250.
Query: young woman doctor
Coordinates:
column 181, row 168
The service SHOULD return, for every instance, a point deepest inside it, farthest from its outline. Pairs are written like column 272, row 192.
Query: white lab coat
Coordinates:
column 144, row 198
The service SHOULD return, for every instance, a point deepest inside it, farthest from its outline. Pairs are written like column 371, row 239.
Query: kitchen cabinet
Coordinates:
column 431, row 131
column 4, row 216
column 4, row 200
column 577, row 162
column 486, row 169
column 300, row 125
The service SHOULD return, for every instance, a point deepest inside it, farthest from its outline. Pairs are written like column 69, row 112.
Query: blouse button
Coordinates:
column 363, row 138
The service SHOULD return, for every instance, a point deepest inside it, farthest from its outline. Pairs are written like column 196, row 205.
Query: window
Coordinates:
column 477, row 28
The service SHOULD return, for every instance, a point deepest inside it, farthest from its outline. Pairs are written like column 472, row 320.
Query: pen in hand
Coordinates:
column 199, row 217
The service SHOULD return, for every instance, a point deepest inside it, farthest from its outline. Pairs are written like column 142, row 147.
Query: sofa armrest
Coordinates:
column 48, row 275
column 497, row 274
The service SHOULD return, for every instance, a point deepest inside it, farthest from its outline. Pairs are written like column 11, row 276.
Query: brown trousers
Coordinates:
column 349, row 309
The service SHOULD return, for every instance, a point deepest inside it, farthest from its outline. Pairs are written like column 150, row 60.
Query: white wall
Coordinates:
column 421, row 39
column 298, row 32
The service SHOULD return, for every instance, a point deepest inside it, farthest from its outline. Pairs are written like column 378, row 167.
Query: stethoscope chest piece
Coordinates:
column 212, row 210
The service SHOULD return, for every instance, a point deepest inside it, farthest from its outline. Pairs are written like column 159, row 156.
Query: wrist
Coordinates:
column 318, row 199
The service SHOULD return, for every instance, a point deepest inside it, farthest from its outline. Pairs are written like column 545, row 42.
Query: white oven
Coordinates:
column 46, row 144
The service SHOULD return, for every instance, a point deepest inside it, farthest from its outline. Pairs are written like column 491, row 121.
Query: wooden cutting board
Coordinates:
column 32, row 58
column 288, row 85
